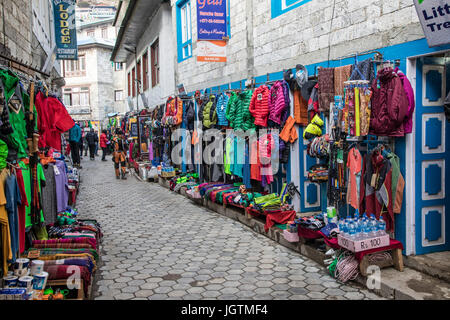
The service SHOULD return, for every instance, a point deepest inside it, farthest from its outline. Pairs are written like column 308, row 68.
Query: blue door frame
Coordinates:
column 432, row 214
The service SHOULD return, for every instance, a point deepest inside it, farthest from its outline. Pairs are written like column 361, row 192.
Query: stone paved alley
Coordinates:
column 160, row 245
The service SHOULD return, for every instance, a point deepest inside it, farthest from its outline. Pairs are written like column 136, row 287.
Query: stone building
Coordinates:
column 266, row 37
column 27, row 34
column 94, row 86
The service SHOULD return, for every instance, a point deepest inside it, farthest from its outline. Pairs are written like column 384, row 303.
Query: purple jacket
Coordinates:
column 408, row 124
column 276, row 102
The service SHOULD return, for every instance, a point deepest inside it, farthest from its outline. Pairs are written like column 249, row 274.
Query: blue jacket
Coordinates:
column 75, row 133
column 221, row 108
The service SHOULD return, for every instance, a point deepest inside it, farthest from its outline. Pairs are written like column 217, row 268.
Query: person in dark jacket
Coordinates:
column 92, row 140
column 75, row 140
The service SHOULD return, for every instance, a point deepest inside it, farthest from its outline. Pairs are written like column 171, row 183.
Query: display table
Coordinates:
column 395, row 247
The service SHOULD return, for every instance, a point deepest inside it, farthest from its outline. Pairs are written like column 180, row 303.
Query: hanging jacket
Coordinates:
column 189, row 115
column 53, row 119
column 221, row 109
column 389, row 105
column 231, row 109
column 276, row 102
column 300, row 109
column 209, row 113
column 287, row 103
column 259, row 105
column 243, row 119
column 411, row 103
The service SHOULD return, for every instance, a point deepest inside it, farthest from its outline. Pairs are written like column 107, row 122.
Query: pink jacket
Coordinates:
column 276, row 102
column 408, row 124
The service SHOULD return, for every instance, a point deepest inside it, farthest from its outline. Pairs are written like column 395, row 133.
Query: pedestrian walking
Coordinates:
column 96, row 144
column 119, row 155
column 74, row 141
column 92, row 140
column 104, row 144
column 81, row 144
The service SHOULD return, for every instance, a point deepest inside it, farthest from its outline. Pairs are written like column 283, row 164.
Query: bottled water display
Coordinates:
column 360, row 228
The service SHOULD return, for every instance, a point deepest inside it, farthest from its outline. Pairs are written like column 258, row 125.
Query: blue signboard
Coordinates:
column 65, row 29
column 282, row 6
column 211, row 19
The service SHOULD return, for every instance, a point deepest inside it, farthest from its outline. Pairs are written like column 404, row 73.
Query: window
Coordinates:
column 105, row 33
column 129, row 84
column 133, row 80
column 118, row 95
column 184, row 30
column 155, row 62
column 76, row 97
column 118, row 66
column 91, row 33
column 75, row 68
column 139, row 80
column 145, row 71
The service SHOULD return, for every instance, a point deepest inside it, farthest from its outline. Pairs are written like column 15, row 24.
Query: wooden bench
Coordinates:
column 397, row 261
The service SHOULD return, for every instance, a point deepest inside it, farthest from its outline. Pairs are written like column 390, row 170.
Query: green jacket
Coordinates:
column 209, row 112
column 238, row 112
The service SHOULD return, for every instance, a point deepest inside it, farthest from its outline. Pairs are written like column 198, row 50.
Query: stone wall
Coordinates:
column 15, row 28
column 259, row 45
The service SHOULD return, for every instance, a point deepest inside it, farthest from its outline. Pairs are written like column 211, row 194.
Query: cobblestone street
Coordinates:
column 159, row 245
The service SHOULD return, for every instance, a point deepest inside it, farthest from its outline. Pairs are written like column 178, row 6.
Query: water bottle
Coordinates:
column 352, row 230
column 364, row 228
column 341, row 226
column 358, row 229
column 373, row 226
column 381, row 227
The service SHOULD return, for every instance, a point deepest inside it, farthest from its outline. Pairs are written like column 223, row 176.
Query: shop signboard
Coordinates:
column 211, row 19
column 434, row 15
column 212, row 51
column 65, row 29
column 362, row 245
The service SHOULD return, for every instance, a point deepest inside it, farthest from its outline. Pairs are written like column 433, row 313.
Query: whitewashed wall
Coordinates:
column 260, row 45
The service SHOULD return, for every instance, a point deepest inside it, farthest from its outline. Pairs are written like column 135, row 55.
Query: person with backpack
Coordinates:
column 92, row 140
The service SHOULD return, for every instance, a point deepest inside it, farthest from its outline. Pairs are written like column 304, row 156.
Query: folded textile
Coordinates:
column 91, row 242
column 59, row 272
column 77, row 261
column 62, row 245
column 279, row 217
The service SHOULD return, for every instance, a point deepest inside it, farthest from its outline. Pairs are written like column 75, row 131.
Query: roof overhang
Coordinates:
column 133, row 25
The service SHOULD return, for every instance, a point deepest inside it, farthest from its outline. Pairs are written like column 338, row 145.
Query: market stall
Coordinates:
column 351, row 117
column 38, row 189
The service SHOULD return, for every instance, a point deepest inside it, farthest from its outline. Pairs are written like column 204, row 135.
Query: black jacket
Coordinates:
column 91, row 138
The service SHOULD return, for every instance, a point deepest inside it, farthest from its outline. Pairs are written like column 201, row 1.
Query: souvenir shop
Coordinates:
column 42, row 239
column 345, row 121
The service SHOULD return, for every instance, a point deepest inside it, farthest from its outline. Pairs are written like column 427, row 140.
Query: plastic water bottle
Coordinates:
column 358, row 224
column 341, row 226
column 381, row 227
column 352, row 230
column 373, row 226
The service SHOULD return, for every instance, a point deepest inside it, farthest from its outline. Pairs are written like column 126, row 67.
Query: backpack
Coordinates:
column 389, row 104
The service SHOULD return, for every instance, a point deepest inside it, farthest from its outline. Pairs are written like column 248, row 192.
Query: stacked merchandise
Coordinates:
column 48, row 265
column 35, row 180
column 365, row 112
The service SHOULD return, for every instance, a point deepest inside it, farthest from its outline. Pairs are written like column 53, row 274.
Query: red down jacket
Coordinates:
column 259, row 105
column 53, row 119
column 389, row 105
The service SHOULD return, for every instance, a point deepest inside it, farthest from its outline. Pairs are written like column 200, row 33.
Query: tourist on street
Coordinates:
column 96, row 144
column 104, row 144
column 92, row 140
column 74, row 141
column 81, row 144
column 119, row 155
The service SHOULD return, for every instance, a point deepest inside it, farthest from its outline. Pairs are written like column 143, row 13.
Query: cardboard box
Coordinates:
column 362, row 245
column 290, row 236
